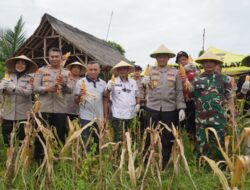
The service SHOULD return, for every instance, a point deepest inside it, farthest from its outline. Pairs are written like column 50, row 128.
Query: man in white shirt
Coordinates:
column 125, row 99
column 90, row 100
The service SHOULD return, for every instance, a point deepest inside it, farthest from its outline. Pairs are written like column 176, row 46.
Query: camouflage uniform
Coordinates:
column 211, row 92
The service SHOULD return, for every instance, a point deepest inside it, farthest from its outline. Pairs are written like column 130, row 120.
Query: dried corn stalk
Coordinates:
column 242, row 166
column 218, row 172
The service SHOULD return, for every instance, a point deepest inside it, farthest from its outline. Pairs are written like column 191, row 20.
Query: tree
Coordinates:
column 201, row 52
column 11, row 40
column 117, row 46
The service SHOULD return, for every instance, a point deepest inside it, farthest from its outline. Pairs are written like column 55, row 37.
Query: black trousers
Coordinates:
column 189, row 122
column 169, row 118
column 142, row 119
column 118, row 125
column 86, row 133
column 72, row 116
column 57, row 120
column 7, row 127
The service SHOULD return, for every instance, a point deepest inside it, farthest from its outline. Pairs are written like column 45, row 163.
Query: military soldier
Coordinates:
column 17, row 90
column 165, row 101
column 125, row 99
column 212, row 91
column 90, row 98
column 77, row 71
column 52, row 83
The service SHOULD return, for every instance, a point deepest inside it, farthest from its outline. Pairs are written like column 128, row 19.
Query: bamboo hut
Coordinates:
column 84, row 47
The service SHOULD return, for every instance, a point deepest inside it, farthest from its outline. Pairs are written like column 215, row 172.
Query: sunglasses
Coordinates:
column 126, row 90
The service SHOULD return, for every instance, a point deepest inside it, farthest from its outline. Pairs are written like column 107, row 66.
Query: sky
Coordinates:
column 141, row 26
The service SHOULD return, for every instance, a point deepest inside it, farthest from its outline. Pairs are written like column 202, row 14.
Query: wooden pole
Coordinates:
column 44, row 47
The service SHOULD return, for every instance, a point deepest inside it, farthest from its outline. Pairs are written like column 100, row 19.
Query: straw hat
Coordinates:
column 246, row 61
column 83, row 67
column 122, row 64
column 162, row 50
column 207, row 56
column 31, row 66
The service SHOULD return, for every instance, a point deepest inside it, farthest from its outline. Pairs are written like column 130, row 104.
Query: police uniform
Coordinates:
column 17, row 102
column 53, row 105
column 164, row 99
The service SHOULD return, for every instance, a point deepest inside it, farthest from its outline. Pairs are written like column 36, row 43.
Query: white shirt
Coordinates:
column 92, row 107
column 123, row 96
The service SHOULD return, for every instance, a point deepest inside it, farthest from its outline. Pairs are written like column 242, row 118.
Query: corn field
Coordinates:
column 82, row 164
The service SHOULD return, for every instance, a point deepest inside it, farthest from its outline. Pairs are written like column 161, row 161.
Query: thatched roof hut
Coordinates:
column 84, row 47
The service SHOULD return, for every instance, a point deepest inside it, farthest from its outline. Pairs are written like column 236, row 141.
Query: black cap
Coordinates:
column 138, row 67
column 180, row 54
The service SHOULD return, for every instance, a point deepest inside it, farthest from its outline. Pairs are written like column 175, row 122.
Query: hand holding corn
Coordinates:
column 186, row 84
column 60, row 80
column 85, row 94
column 146, row 78
column 246, row 85
column 111, row 84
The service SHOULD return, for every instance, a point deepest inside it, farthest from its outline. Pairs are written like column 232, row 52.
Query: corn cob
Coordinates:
column 146, row 73
column 6, row 75
column 85, row 93
column 247, row 78
column 5, row 98
column 59, row 87
column 113, row 79
column 83, row 88
column 182, row 70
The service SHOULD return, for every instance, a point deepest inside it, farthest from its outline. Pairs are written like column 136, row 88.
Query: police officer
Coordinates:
column 17, row 95
column 125, row 99
column 52, row 83
column 165, row 101
column 77, row 72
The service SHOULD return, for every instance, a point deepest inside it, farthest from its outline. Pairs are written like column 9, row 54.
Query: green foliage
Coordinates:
column 96, row 170
column 11, row 40
column 117, row 46
column 201, row 52
column 2, row 69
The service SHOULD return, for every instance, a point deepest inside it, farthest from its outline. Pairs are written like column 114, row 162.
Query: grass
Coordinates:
column 104, row 170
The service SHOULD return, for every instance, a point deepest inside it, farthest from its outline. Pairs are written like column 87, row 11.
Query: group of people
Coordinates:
column 187, row 99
